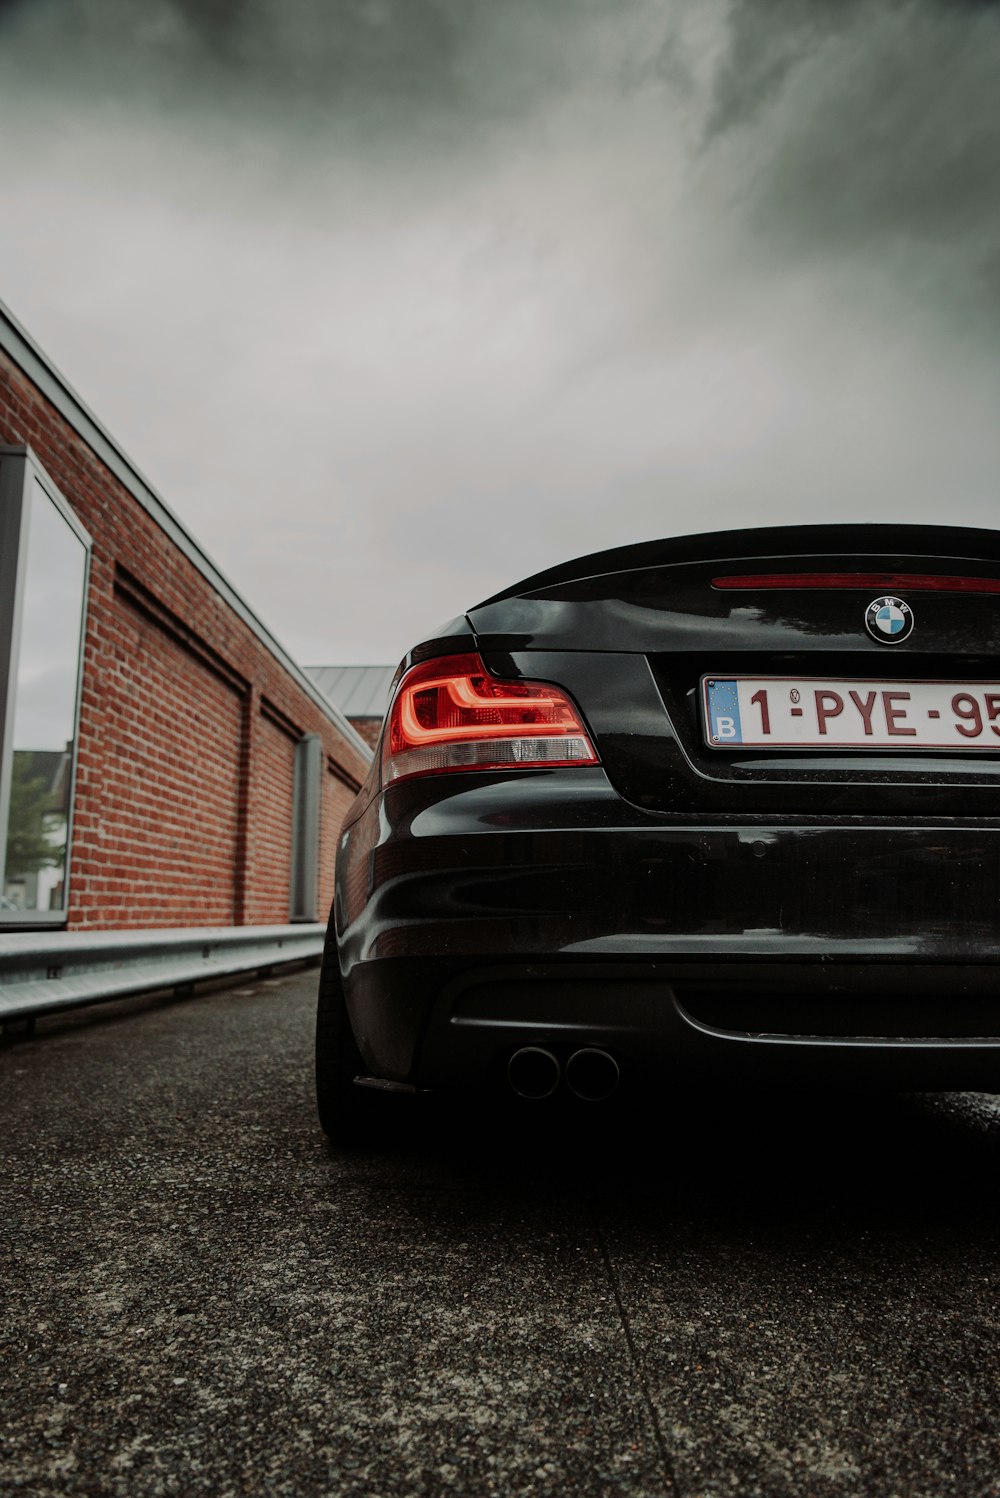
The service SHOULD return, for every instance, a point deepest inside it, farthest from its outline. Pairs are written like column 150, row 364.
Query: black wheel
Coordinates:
column 345, row 1111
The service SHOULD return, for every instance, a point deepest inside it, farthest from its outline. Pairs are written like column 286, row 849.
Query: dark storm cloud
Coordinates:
column 841, row 121
column 393, row 57
column 767, row 39
column 375, row 67
column 868, row 128
column 360, row 56
column 352, row 52
column 510, row 279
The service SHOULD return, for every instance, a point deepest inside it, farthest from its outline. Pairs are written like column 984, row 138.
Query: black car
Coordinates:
column 726, row 805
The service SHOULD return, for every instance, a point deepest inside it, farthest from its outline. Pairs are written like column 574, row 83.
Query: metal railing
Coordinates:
column 45, row 971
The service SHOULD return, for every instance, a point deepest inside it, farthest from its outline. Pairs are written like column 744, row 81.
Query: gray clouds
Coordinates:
column 869, row 128
column 406, row 298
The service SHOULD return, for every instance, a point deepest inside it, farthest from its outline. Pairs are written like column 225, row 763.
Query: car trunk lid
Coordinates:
column 634, row 635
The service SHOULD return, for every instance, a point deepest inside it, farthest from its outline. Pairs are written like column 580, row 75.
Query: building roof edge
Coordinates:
column 25, row 352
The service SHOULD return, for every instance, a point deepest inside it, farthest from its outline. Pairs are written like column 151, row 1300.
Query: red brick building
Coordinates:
column 164, row 762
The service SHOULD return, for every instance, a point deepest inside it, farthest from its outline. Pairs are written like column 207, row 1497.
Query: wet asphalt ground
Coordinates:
column 718, row 1295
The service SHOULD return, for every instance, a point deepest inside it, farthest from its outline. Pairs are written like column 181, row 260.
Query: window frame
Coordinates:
column 19, row 467
column 307, row 788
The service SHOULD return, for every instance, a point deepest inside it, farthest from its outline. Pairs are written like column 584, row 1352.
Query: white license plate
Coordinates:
column 774, row 712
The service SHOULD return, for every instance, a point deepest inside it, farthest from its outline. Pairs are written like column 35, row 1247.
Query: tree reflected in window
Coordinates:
column 37, row 824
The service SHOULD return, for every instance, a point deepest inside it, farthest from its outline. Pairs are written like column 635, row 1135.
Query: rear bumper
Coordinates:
column 501, row 912
column 882, row 1024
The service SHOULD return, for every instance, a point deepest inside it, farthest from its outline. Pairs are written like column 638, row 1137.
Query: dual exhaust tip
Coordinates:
column 590, row 1073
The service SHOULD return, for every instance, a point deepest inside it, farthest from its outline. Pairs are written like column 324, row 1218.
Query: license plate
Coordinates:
column 786, row 712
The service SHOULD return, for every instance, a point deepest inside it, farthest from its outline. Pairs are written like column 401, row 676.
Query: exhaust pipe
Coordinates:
column 592, row 1074
column 533, row 1072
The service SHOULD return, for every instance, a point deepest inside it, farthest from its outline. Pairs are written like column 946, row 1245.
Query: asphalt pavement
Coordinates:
column 714, row 1294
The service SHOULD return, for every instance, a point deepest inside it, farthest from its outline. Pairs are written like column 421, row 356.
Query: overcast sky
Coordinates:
column 395, row 301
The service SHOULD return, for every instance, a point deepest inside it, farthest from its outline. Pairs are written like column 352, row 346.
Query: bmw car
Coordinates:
column 722, row 806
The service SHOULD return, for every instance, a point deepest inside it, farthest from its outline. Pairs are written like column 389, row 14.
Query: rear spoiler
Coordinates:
column 961, row 543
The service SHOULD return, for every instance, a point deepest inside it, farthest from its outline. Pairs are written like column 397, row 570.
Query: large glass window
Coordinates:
column 44, row 555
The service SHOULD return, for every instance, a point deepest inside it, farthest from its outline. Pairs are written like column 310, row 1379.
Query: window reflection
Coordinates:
column 47, row 672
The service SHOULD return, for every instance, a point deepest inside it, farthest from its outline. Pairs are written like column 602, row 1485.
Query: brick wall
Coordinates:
column 188, row 721
column 271, row 792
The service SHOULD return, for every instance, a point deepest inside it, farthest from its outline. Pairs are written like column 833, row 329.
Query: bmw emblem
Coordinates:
column 889, row 620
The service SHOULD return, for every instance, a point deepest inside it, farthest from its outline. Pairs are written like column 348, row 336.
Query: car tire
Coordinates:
column 345, row 1110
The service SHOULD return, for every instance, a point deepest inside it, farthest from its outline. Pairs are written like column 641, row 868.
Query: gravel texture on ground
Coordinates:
column 712, row 1294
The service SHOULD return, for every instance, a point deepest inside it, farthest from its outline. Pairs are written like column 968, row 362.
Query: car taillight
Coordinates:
column 451, row 714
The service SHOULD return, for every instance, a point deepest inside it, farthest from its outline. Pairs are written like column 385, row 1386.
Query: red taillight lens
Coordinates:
column 451, row 714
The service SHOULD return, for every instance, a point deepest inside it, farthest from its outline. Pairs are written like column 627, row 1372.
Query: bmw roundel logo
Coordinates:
column 889, row 620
